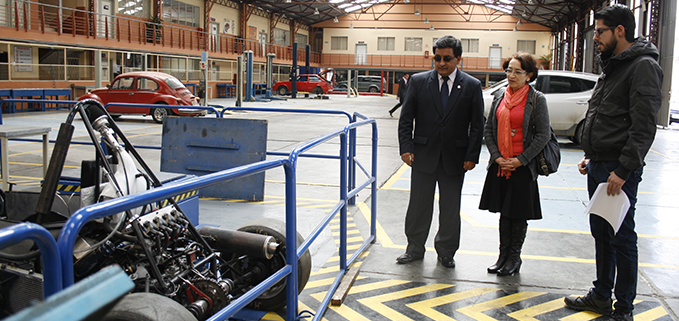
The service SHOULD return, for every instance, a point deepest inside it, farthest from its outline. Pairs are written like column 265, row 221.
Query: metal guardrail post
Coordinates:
column 48, row 249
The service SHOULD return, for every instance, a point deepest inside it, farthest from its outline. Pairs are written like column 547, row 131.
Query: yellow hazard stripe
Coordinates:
column 179, row 198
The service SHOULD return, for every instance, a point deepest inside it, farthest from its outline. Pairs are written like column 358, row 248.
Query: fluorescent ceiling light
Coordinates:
column 336, row 1
column 354, row 8
column 344, row 5
column 316, row 11
column 417, row 12
column 335, row 20
column 426, row 20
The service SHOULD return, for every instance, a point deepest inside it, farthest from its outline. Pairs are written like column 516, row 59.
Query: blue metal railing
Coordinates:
column 209, row 108
column 348, row 160
column 48, row 249
column 81, row 217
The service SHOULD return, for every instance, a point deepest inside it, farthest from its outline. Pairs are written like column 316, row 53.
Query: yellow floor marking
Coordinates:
column 394, row 178
column 529, row 314
column 349, row 313
column 337, row 226
column 354, row 239
column 334, row 269
column 375, row 302
column 382, row 236
column 336, row 257
column 426, row 307
column 581, row 316
column 325, row 282
column 476, row 311
column 337, row 233
column 651, row 314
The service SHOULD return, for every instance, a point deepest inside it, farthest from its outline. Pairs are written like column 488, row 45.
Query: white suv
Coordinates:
column 567, row 94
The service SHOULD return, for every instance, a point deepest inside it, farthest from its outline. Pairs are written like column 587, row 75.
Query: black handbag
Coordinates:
column 549, row 158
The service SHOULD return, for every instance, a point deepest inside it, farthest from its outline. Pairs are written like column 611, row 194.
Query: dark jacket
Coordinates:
column 429, row 133
column 621, row 118
column 402, row 86
column 531, row 145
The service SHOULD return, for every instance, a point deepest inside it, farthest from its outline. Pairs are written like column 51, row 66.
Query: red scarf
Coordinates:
column 504, row 127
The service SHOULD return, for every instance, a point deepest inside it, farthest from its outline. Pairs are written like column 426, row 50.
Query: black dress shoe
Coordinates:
column 448, row 262
column 391, row 113
column 406, row 258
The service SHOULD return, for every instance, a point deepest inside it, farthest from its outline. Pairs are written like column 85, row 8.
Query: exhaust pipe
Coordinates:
column 256, row 245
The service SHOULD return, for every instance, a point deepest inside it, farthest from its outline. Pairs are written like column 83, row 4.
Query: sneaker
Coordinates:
column 622, row 316
column 590, row 302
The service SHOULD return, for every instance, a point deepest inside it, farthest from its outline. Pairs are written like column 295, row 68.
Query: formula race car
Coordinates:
column 179, row 272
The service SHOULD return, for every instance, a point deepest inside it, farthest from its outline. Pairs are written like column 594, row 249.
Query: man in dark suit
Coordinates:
column 447, row 106
column 400, row 95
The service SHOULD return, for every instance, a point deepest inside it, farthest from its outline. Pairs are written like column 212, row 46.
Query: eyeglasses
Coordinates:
column 516, row 72
column 597, row 32
column 446, row 58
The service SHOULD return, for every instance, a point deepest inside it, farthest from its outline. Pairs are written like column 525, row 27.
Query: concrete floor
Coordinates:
column 558, row 254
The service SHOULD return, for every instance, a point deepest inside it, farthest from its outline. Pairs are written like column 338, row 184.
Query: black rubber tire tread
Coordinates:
column 276, row 228
column 282, row 90
column 145, row 306
column 318, row 90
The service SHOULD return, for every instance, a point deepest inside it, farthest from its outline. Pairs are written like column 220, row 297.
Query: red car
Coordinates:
column 147, row 87
column 306, row 82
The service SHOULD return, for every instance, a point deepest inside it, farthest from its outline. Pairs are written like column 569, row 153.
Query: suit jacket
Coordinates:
column 402, row 86
column 454, row 135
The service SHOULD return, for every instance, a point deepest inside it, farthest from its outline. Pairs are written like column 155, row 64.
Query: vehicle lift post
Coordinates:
column 248, row 75
column 293, row 72
column 239, row 81
column 269, row 78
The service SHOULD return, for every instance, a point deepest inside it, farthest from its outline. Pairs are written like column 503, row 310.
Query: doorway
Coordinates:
column 495, row 58
column 105, row 19
column 214, row 36
column 361, row 54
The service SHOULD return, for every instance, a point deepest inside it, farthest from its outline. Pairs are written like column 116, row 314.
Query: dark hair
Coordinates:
column 449, row 42
column 618, row 15
column 528, row 63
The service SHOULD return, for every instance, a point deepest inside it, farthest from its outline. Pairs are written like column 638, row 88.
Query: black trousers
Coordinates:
column 393, row 109
column 421, row 208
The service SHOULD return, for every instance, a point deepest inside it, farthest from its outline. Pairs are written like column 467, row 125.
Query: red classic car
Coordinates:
column 305, row 82
column 147, row 87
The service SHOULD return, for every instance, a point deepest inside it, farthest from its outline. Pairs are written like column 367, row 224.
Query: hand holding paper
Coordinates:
column 612, row 208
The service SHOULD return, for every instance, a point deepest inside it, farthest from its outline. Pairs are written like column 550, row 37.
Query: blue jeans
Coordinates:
column 615, row 251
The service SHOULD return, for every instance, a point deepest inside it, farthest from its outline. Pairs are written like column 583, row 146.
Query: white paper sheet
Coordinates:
column 612, row 208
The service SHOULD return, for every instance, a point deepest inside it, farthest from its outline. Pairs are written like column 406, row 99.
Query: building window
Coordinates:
column 526, row 45
column 470, row 45
column 338, row 43
column 386, row 43
column 300, row 38
column 137, row 8
column 413, row 44
column 180, row 13
column 281, row 37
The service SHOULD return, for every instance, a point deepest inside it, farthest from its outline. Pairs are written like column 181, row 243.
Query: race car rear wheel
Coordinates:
column 144, row 306
column 275, row 297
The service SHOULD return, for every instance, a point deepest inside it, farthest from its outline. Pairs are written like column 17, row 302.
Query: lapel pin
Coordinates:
column 458, row 86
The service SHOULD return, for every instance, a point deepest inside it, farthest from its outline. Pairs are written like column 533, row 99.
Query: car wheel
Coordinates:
column 275, row 297
column 373, row 89
column 144, row 306
column 282, row 90
column 578, row 133
column 159, row 114
column 318, row 90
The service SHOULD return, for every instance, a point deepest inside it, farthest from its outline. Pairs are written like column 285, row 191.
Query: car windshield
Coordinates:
column 174, row 83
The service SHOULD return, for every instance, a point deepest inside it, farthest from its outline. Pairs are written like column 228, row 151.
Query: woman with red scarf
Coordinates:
column 511, row 186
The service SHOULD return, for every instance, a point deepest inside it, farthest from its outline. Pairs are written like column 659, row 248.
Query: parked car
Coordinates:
column 147, row 87
column 364, row 84
column 306, row 82
column 674, row 116
column 567, row 94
